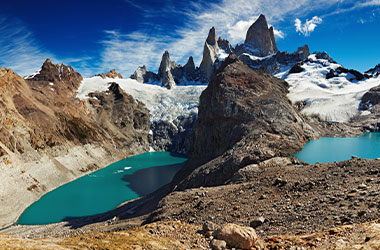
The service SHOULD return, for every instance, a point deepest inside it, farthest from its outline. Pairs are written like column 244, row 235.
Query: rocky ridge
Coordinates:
column 49, row 137
column 258, row 51
column 244, row 118
column 111, row 74
column 375, row 72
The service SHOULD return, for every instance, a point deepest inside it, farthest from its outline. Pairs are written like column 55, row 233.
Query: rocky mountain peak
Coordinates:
column 165, row 64
column 211, row 38
column 260, row 38
column 65, row 77
column 210, row 55
column 111, row 74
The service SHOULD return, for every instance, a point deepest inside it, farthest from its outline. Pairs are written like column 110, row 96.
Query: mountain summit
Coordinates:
column 261, row 38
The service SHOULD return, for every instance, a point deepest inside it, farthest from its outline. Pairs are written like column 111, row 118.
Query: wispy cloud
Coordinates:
column 356, row 5
column 308, row 27
column 18, row 48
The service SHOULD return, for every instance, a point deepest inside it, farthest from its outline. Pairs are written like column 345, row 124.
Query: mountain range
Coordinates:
column 244, row 111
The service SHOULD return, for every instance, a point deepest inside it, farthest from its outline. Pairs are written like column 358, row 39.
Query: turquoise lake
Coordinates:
column 105, row 189
column 330, row 149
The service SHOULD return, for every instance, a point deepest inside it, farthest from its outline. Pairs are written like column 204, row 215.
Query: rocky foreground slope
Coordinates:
column 49, row 137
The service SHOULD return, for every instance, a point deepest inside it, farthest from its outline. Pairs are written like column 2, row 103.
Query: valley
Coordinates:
column 239, row 119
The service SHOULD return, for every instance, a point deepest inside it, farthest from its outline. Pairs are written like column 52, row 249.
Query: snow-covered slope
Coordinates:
column 334, row 99
column 164, row 104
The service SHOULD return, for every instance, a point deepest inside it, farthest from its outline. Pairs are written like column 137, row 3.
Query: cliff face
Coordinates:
column 49, row 137
column 260, row 38
column 244, row 118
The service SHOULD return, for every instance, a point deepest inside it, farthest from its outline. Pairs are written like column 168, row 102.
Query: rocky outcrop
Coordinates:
column 173, row 136
column 168, row 80
column 260, row 39
column 210, row 55
column 111, row 74
column 143, row 75
column 297, row 68
column 190, row 73
column 122, row 117
column 354, row 74
column 225, row 46
column 64, row 79
column 276, row 62
column 375, row 72
column 171, row 73
column 244, row 118
column 372, row 97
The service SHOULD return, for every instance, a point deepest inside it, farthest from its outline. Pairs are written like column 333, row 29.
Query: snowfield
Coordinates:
column 163, row 104
column 335, row 99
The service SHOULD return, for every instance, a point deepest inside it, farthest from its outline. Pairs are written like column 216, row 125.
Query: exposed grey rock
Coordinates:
column 143, row 75
column 225, row 45
column 238, row 112
column 165, row 65
column 374, row 72
column 210, row 55
column 189, row 70
column 209, row 226
column 297, row 68
column 256, row 222
column 167, row 80
column 260, row 38
column 274, row 63
column 176, row 136
column 356, row 75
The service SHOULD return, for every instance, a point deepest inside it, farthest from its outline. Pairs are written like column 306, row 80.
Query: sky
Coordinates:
column 95, row 36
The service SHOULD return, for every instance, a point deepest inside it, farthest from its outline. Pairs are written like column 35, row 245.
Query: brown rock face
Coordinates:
column 121, row 116
column 260, row 39
column 238, row 236
column 244, row 118
column 65, row 79
column 111, row 74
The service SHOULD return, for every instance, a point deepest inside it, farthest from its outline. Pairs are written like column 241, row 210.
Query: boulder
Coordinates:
column 256, row 222
column 218, row 244
column 297, row 68
column 238, row 236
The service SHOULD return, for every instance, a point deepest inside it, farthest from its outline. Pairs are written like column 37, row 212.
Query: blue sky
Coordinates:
column 96, row 36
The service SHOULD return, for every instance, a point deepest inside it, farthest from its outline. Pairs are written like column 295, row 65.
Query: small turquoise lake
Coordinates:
column 330, row 149
column 105, row 189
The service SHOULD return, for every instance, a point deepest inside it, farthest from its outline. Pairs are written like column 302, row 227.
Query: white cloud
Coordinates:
column 308, row 27
column 18, row 48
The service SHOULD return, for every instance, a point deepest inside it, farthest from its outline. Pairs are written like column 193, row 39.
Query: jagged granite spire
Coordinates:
column 210, row 55
column 165, row 64
column 189, row 70
column 260, row 39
